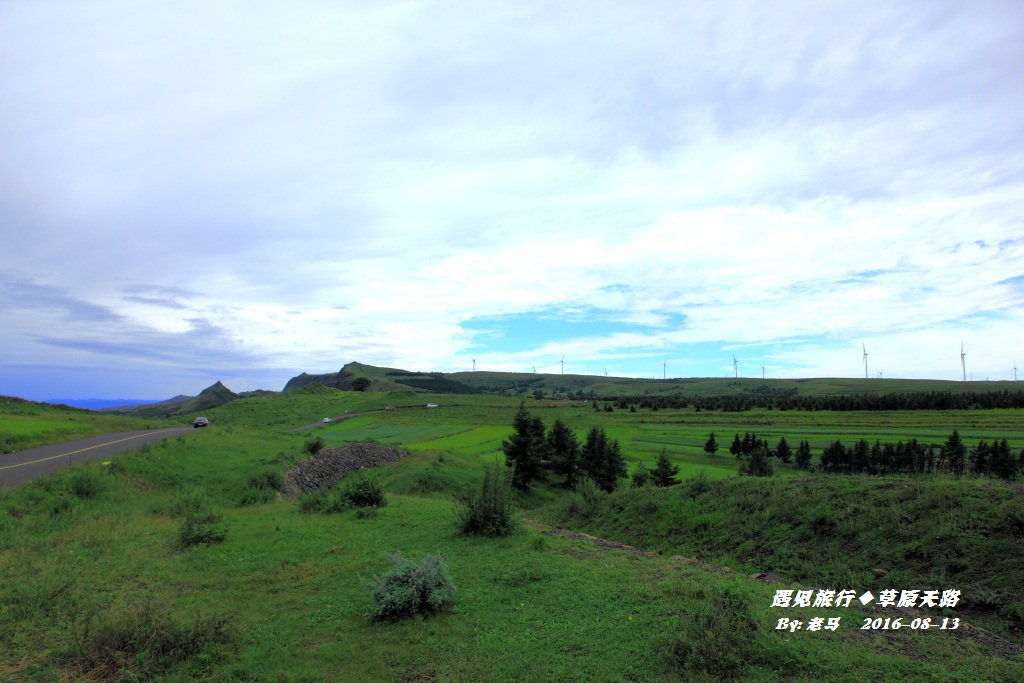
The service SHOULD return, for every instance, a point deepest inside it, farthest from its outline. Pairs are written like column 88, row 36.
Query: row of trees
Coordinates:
column 777, row 400
column 994, row 459
column 532, row 452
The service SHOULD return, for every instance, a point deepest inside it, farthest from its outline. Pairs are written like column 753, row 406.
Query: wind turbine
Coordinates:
column 664, row 370
column 474, row 365
column 606, row 372
column 735, row 367
column 1014, row 371
column 864, row 359
column 762, row 372
column 963, row 362
column 535, row 369
column 563, row 363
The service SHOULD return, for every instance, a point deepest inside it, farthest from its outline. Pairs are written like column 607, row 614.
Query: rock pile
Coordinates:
column 326, row 468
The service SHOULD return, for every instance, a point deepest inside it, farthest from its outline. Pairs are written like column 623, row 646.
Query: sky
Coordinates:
column 243, row 191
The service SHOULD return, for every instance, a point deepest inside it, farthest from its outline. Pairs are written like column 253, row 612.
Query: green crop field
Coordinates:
column 96, row 585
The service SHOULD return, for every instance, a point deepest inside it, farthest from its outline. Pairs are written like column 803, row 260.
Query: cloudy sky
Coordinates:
column 241, row 191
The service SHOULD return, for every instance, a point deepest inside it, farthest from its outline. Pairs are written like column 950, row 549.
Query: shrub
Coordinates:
column 360, row 492
column 85, row 483
column 268, row 480
column 197, row 530
column 193, row 501
column 491, row 510
column 719, row 638
column 698, row 484
column 136, row 643
column 410, row 587
column 641, row 476
column 355, row 491
column 313, row 445
column 116, row 469
column 256, row 497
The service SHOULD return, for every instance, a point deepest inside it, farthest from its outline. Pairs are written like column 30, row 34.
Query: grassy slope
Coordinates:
column 26, row 424
column 528, row 608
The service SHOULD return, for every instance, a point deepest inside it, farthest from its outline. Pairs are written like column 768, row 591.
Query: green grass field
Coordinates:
column 89, row 558
column 25, row 424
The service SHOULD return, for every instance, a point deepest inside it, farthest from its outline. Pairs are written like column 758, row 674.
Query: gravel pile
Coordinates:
column 326, row 468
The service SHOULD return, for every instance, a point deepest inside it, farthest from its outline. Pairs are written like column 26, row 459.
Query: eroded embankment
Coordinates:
column 326, row 468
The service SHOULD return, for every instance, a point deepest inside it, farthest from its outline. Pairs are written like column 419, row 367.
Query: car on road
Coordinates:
column 389, row 408
column 327, row 419
column 431, row 405
column 200, row 422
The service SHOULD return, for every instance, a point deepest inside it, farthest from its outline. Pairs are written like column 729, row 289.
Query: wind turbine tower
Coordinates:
column 864, row 359
column 664, row 370
column 762, row 372
column 1014, row 371
column 563, row 364
column 474, row 365
column 963, row 361
column 535, row 369
column 735, row 367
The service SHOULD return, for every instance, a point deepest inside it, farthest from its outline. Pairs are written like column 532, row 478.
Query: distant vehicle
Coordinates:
column 390, row 408
column 327, row 419
column 200, row 422
column 431, row 405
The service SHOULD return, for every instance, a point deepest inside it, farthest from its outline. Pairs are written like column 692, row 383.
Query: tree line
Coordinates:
column 533, row 452
column 994, row 459
column 918, row 400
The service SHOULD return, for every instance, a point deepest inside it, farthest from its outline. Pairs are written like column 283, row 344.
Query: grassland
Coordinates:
column 283, row 597
column 25, row 424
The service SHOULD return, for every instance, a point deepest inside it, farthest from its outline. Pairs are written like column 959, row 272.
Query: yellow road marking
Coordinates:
column 64, row 455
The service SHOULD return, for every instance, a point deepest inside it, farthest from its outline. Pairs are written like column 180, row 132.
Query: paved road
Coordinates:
column 22, row 466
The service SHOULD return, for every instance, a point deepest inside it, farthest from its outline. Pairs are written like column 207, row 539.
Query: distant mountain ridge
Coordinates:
column 210, row 397
column 105, row 403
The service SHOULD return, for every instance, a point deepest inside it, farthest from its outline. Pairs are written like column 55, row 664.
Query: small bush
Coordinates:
column 491, row 510
column 196, row 530
column 85, row 483
column 719, row 638
column 698, row 484
column 194, row 502
column 140, row 642
column 268, row 480
column 313, row 445
column 322, row 502
column 256, row 497
column 410, row 588
column 360, row 492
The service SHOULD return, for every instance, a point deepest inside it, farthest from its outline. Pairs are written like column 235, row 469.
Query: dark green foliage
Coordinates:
column 711, row 445
column 200, row 529
column 602, row 460
column 141, row 642
column 266, row 480
column 664, row 473
column 953, row 453
column 361, row 384
column 803, row 455
column 313, row 445
column 84, row 483
column 354, row 491
column 116, row 469
column 756, row 464
column 564, row 453
column 641, row 476
column 362, row 492
column 782, row 451
column 410, row 588
column 526, row 449
column 491, row 510
column 720, row 637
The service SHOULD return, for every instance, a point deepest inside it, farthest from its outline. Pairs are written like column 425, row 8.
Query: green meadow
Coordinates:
column 98, row 586
column 25, row 424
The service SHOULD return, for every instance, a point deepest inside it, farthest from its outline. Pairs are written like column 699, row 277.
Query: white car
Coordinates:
column 327, row 419
column 431, row 405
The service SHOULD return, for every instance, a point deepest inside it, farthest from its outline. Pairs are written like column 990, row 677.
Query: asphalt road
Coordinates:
column 22, row 466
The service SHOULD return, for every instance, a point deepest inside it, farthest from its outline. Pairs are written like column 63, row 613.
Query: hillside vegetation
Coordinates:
column 182, row 561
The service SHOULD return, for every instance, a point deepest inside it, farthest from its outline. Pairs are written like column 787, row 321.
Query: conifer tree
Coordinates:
column 664, row 473
column 803, row 455
column 602, row 460
column 782, row 451
column 565, row 453
column 711, row 446
column 522, row 452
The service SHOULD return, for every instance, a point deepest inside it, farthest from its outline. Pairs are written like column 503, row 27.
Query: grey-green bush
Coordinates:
column 489, row 511
column 411, row 587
